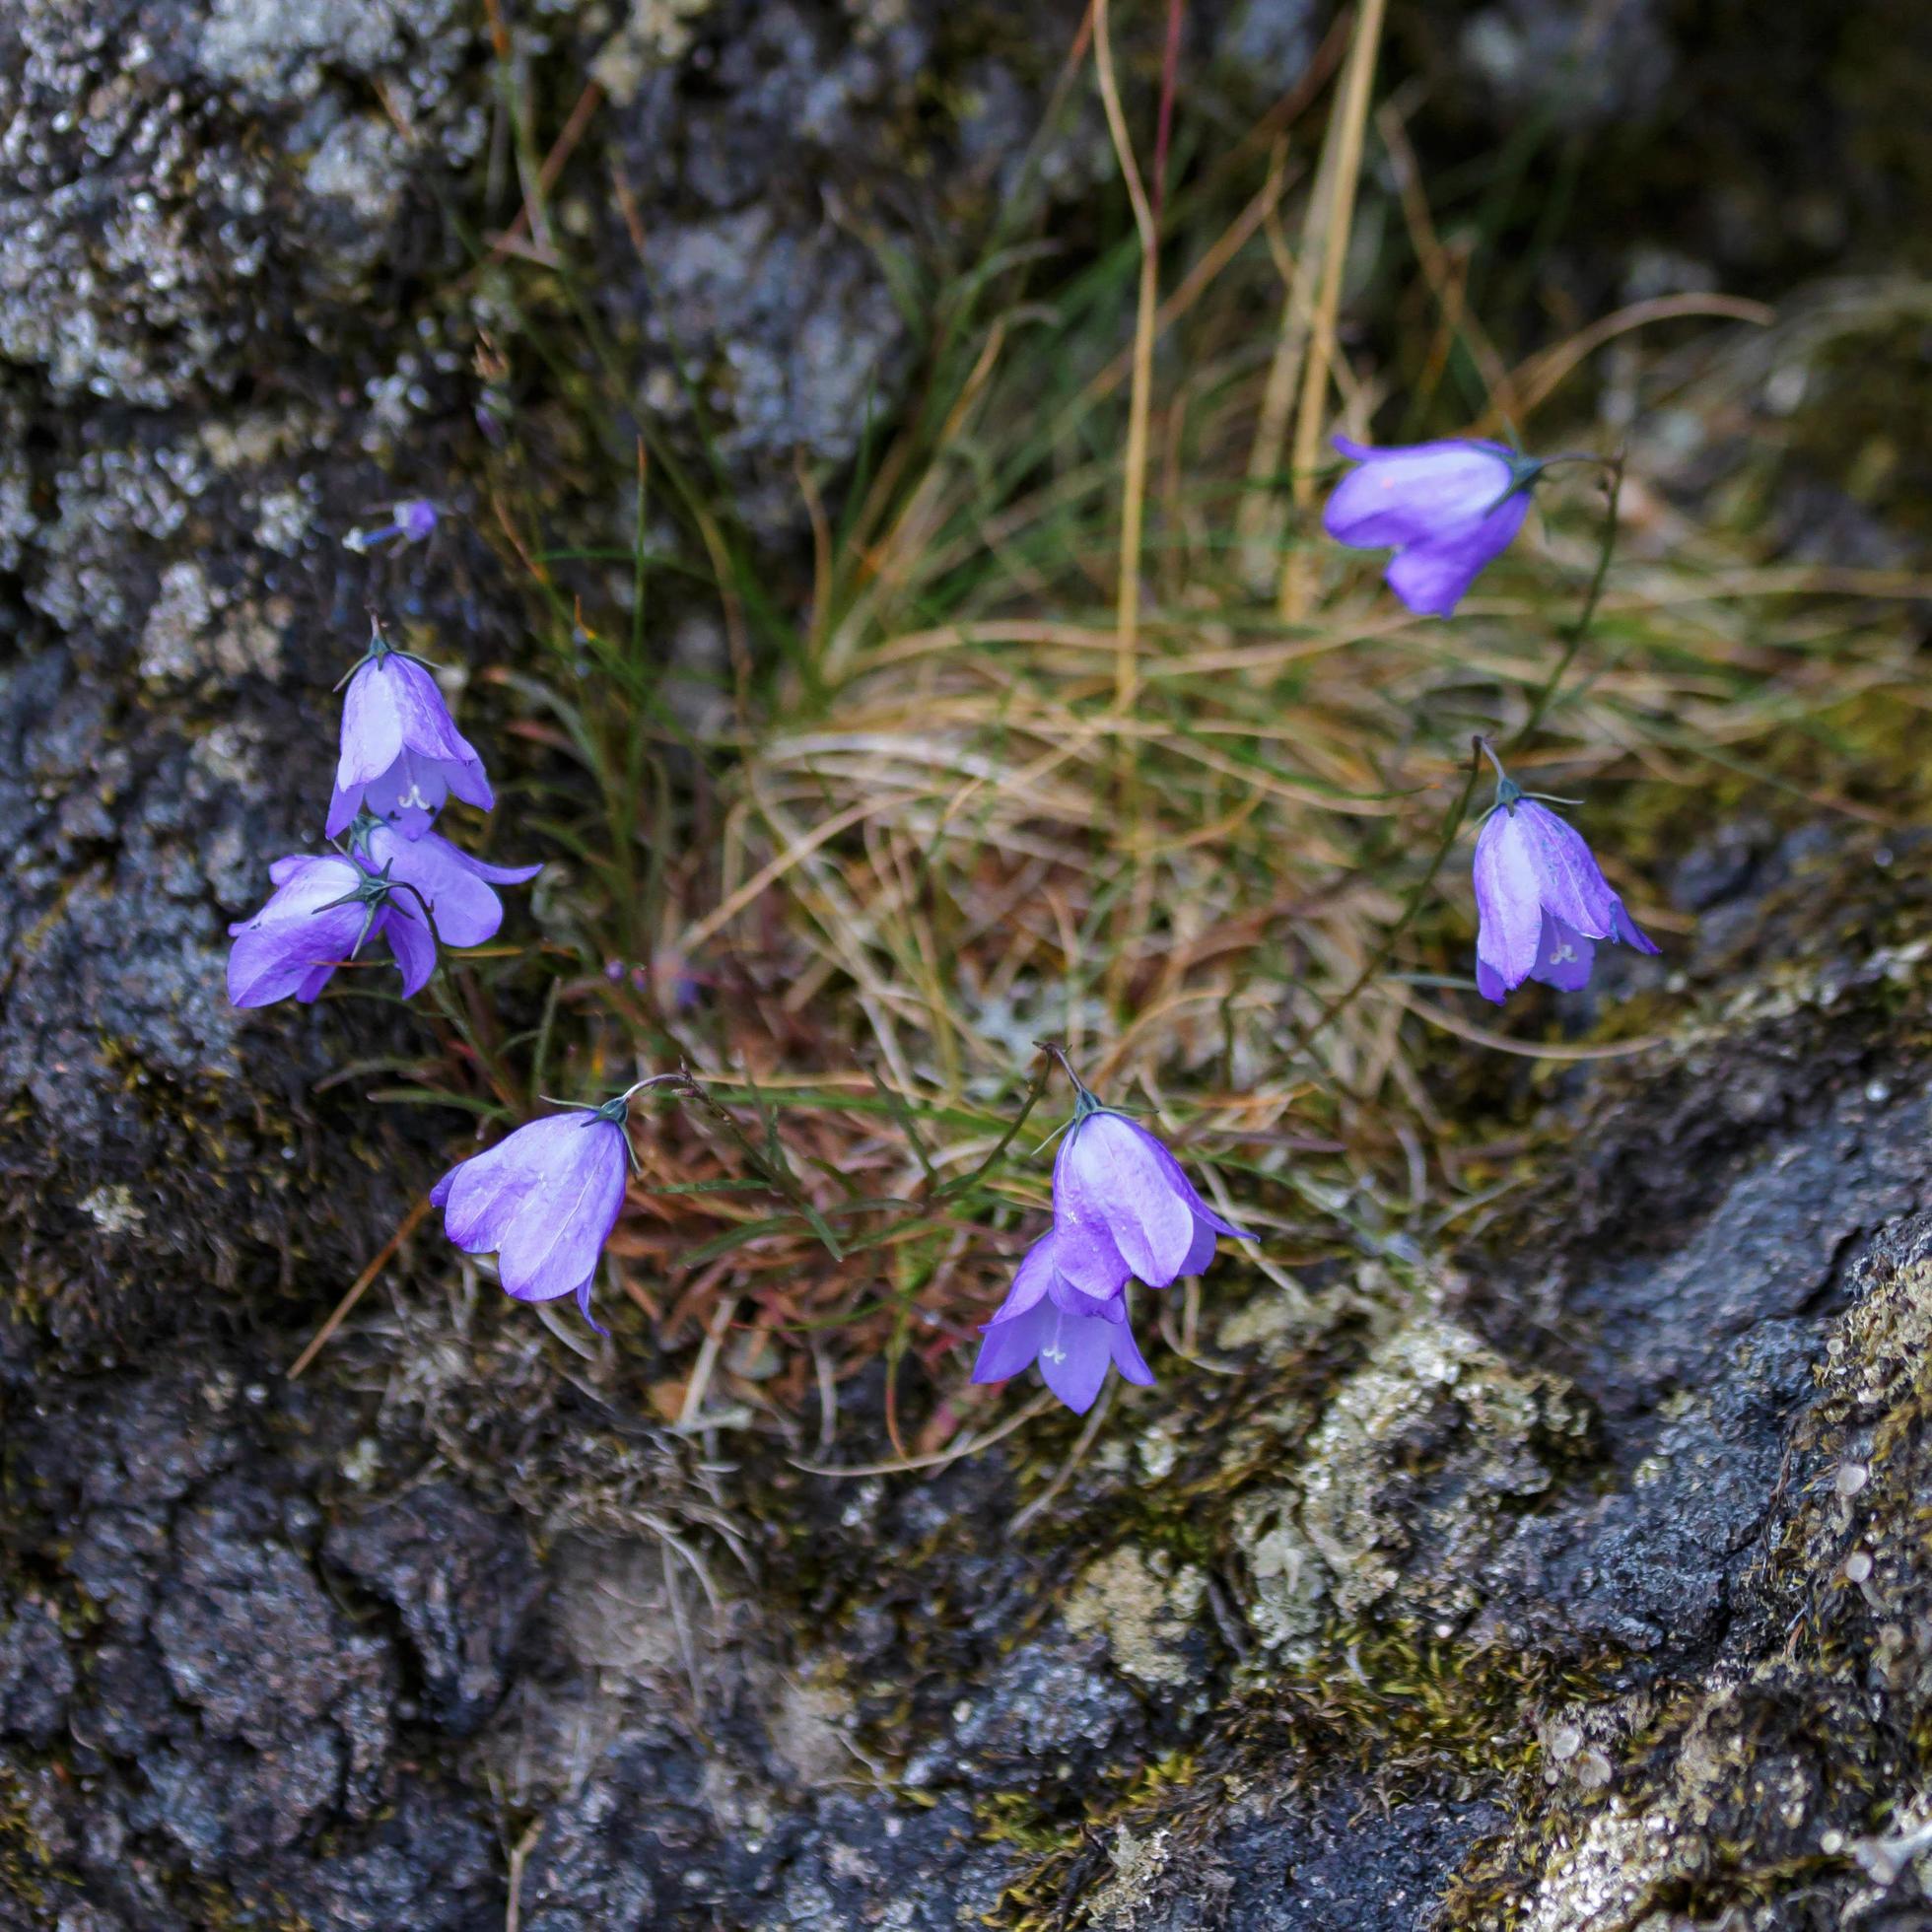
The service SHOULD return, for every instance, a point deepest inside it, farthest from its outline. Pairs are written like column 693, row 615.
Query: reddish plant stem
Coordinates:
column 1170, row 75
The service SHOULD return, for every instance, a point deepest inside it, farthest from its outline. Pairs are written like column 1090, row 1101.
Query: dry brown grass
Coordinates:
column 1048, row 757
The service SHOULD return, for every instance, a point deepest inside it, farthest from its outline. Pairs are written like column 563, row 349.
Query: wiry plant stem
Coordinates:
column 1478, row 748
column 1545, row 697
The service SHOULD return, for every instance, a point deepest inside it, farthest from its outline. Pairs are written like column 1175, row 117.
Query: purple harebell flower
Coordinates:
column 1540, row 899
column 1446, row 509
column 545, row 1200
column 1073, row 1337
column 1122, row 1205
column 401, row 753
column 324, row 909
column 456, row 887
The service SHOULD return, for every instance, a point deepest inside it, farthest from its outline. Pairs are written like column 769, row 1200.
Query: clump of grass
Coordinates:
column 1073, row 726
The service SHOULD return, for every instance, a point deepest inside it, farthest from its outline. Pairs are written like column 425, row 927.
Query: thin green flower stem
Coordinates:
column 771, row 1165
column 1478, row 746
column 1547, row 696
column 1057, row 1051
column 443, row 990
column 1006, row 1139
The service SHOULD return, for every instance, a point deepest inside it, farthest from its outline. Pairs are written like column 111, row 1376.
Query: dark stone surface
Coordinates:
column 1653, row 1567
column 1051, row 1713
column 462, row 1582
column 190, row 1660
column 36, row 1676
column 1349, row 1862
column 188, row 181
column 857, row 1864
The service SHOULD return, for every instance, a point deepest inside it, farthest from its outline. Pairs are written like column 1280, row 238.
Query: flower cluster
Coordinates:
column 393, row 877
column 545, row 1198
column 1122, row 1210
column 1447, row 509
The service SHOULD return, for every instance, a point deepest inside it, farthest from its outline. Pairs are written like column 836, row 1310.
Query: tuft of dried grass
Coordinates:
column 1085, row 734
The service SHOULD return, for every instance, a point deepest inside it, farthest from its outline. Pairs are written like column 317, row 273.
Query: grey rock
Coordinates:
column 1055, row 1710
column 36, row 1676
column 1653, row 1567
column 1770, row 1249
column 431, row 1865
column 249, row 1637
column 145, row 243
column 1343, row 1862
column 225, row 1806
column 1614, row 59
column 596, row 1863
column 1270, row 42
column 462, row 1581
column 858, row 1862
column 130, row 1702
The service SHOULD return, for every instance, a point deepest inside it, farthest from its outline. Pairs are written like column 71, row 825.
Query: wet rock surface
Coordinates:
column 1575, row 1581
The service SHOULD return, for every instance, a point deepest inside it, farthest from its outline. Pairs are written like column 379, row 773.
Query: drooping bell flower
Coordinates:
column 1540, row 899
column 545, row 1200
column 324, row 909
column 411, row 522
column 1073, row 1337
column 452, row 884
column 1446, row 509
column 401, row 752
column 1122, row 1205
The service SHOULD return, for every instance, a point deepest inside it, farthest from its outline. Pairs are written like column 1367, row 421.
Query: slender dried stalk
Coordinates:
column 1134, row 486
column 1260, row 520
column 1353, row 111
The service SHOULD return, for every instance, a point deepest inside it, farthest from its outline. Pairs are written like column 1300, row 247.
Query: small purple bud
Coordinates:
column 1541, row 900
column 413, row 522
column 401, row 753
column 1073, row 1337
column 416, row 519
column 1446, row 509
column 543, row 1200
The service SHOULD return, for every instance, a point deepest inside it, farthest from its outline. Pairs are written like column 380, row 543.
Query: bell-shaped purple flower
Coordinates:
column 324, row 909
column 545, row 1200
column 1122, row 1205
column 1073, row 1337
column 453, row 885
column 401, row 752
column 1446, row 509
column 1541, row 900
